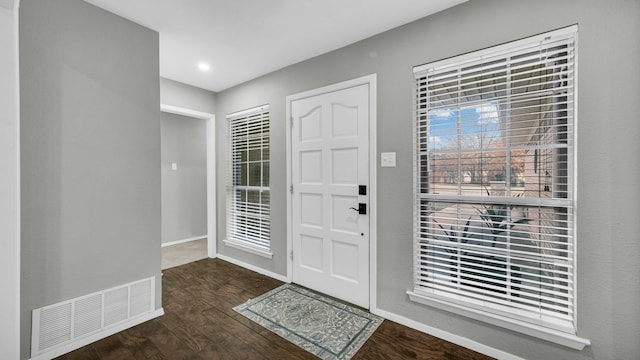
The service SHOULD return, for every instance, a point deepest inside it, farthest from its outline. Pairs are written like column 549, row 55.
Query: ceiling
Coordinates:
column 243, row 39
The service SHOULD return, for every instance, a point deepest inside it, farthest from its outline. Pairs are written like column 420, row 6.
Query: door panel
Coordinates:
column 344, row 169
column 330, row 159
column 311, row 255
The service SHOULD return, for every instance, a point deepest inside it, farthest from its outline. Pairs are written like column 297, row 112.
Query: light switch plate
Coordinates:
column 388, row 159
column 174, row 166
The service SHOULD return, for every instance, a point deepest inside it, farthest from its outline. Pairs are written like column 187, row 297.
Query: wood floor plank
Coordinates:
column 84, row 353
column 200, row 323
column 135, row 338
column 112, row 348
column 168, row 343
column 255, row 337
column 190, row 335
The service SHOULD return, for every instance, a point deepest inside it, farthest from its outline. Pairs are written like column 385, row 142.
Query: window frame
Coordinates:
column 459, row 303
column 253, row 238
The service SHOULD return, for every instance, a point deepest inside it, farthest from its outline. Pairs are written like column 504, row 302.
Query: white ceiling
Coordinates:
column 243, row 39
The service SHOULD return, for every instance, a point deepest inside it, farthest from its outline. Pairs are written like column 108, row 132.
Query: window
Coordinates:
column 494, row 183
column 248, row 198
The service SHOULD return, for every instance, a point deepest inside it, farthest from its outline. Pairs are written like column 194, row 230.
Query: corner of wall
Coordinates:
column 9, row 180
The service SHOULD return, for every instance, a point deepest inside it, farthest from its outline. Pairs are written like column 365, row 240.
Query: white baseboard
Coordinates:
column 177, row 242
column 456, row 339
column 282, row 278
column 98, row 336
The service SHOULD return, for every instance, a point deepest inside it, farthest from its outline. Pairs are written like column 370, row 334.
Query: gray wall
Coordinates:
column 184, row 191
column 186, row 96
column 90, row 147
column 608, row 134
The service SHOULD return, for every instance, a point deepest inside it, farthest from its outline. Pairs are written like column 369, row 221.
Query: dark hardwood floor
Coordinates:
column 199, row 323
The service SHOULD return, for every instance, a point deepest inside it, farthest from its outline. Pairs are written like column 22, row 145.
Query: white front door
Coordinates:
column 330, row 179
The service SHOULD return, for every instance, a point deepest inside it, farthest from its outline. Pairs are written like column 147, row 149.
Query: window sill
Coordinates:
column 248, row 248
column 537, row 331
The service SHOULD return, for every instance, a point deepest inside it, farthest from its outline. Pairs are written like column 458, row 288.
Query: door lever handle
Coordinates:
column 362, row 209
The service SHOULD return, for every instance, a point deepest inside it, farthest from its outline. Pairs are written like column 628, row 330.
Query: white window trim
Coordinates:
column 566, row 338
column 537, row 331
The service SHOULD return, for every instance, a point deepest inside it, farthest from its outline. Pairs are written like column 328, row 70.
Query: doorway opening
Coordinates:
column 210, row 236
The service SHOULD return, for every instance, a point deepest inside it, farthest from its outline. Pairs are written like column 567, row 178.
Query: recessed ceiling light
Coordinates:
column 203, row 67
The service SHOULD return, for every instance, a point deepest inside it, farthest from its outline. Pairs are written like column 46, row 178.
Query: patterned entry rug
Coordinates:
column 324, row 327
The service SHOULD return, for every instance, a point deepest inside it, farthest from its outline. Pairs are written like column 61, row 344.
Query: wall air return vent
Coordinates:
column 67, row 325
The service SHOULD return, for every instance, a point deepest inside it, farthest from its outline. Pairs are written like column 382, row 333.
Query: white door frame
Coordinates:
column 370, row 80
column 211, row 170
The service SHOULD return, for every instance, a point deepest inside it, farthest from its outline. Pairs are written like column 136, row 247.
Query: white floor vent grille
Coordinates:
column 60, row 324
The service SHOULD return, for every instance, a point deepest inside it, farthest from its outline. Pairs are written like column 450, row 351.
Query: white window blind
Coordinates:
column 494, row 180
column 248, row 198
